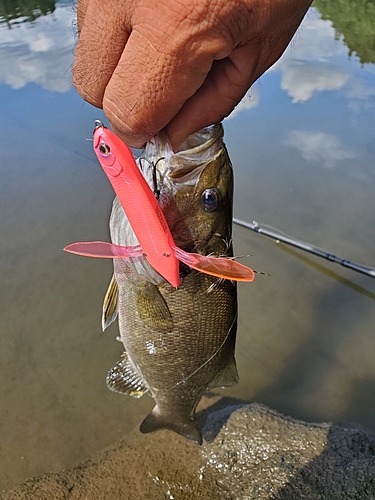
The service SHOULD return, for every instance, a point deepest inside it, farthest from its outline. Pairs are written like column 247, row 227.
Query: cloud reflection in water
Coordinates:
column 41, row 52
column 318, row 147
column 317, row 61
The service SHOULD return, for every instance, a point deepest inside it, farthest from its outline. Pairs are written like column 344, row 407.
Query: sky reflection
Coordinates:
column 331, row 92
column 318, row 61
column 318, row 147
column 40, row 52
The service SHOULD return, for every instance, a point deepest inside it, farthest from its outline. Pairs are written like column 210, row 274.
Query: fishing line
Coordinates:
column 307, row 247
column 207, row 360
column 228, row 243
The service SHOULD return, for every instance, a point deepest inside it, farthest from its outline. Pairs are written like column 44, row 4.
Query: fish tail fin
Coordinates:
column 187, row 428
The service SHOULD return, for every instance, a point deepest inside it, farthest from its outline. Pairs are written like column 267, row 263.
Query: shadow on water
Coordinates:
column 332, row 274
column 358, row 396
column 341, row 311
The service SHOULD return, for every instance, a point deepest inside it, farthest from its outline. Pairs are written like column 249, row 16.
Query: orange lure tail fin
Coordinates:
column 221, row 267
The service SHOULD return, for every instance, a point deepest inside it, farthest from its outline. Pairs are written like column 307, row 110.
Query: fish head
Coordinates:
column 195, row 187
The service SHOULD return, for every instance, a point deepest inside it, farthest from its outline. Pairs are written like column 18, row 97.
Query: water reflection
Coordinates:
column 40, row 52
column 318, row 147
column 354, row 20
column 308, row 147
column 14, row 12
column 302, row 146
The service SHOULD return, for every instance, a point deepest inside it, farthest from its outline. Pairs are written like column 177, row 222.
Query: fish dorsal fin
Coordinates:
column 221, row 267
column 227, row 377
column 153, row 309
column 110, row 311
column 124, row 378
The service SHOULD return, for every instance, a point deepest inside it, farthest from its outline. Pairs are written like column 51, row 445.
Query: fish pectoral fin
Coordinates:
column 103, row 250
column 153, row 309
column 221, row 267
column 226, row 377
column 187, row 428
column 123, row 378
column 110, row 311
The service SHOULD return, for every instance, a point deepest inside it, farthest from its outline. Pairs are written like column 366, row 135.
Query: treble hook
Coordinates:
column 156, row 191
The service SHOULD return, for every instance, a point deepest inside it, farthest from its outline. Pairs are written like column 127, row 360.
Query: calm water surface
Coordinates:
column 303, row 149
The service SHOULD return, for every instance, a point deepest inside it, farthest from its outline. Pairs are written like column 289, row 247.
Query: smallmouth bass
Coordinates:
column 179, row 342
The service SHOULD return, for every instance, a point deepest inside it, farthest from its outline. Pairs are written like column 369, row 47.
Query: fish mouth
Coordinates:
column 194, row 154
column 186, row 164
column 201, row 140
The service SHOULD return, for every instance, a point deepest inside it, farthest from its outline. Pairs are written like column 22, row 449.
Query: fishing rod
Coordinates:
column 301, row 245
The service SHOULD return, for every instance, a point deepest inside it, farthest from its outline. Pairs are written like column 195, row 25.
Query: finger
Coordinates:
column 153, row 79
column 103, row 34
column 224, row 87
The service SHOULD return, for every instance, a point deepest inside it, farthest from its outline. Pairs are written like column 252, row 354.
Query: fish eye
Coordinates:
column 210, row 199
column 104, row 149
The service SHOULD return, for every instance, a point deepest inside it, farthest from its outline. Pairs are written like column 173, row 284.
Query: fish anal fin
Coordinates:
column 124, row 379
column 187, row 428
column 110, row 311
column 220, row 267
column 153, row 309
column 226, row 377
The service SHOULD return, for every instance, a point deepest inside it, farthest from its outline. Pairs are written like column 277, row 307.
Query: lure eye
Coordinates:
column 210, row 199
column 104, row 149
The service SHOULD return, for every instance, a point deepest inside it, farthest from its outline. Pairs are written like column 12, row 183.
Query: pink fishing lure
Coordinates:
column 147, row 220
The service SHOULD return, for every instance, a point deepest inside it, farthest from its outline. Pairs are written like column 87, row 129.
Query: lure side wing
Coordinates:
column 103, row 250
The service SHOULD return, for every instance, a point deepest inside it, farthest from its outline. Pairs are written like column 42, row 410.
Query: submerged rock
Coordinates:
column 249, row 452
column 260, row 454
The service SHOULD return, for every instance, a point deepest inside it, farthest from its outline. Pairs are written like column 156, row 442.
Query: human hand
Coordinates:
column 176, row 64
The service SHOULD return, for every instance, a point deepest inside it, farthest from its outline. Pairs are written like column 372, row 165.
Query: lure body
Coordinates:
column 139, row 204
